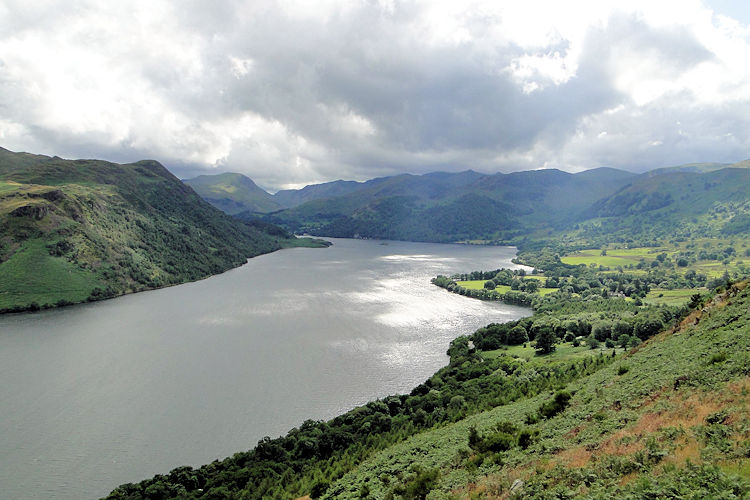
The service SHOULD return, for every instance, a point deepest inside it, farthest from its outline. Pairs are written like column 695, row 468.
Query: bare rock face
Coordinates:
column 54, row 195
column 36, row 212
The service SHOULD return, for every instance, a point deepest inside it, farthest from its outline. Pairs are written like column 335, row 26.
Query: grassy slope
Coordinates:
column 669, row 419
column 233, row 193
column 73, row 230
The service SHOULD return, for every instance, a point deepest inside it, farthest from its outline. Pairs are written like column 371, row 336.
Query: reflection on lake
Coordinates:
column 117, row 391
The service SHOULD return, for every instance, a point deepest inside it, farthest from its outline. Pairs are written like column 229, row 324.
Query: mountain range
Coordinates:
column 447, row 207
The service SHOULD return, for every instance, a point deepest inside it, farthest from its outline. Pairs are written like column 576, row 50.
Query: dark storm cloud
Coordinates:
column 358, row 90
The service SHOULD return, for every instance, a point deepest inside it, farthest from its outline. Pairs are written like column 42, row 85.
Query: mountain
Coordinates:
column 233, row 193
column 675, row 204
column 686, row 193
column 449, row 207
column 287, row 198
column 77, row 230
column 444, row 207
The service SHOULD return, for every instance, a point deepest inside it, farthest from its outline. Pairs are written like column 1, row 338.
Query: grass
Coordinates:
column 53, row 279
column 628, row 258
column 479, row 284
column 676, row 297
column 8, row 186
column 303, row 242
column 562, row 352
column 625, row 432
column 614, row 257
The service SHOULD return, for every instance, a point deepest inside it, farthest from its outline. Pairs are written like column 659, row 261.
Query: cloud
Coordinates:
column 290, row 94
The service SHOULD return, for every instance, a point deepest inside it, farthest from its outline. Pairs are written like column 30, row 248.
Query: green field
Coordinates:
column 479, row 284
column 676, row 297
column 616, row 257
column 563, row 351
column 630, row 257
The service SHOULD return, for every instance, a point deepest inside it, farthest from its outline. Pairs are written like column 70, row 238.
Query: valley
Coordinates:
column 598, row 289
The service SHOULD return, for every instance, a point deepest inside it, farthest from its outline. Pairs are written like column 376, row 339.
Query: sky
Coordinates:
column 296, row 92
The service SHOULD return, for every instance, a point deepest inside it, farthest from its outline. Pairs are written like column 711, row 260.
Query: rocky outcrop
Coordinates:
column 36, row 212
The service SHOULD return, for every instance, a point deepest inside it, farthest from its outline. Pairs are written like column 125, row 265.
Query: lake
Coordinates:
column 100, row 394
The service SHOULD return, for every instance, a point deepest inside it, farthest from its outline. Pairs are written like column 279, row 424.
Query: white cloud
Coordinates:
column 293, row 92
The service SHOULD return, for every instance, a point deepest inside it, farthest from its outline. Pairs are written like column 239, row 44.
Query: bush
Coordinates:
column 525, row 438
column 718, row 357
column 592, row 342
column 499, row 441
column 556, row 405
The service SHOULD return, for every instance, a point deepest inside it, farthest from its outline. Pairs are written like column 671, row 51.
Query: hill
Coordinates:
column 673, row 204
column 233, row 193
column 469, row 206
column 667, row 418
column 287, row 198
column 444, row 207
column 77, row 230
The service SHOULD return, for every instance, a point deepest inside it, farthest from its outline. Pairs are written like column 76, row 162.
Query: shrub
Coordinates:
column 556, row 405
column 498, row 441
column 592, row 342
column 718, row 357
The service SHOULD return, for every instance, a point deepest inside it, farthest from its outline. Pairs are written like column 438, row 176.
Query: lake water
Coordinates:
column 100, row 394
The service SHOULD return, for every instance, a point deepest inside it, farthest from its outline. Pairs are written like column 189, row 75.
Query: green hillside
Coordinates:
column 597, row 394
column 674, row 204
column 444, row 207
column 77, row 230
column 233, row 193
column 667, row 420
column 469, row 206
column 287, row 198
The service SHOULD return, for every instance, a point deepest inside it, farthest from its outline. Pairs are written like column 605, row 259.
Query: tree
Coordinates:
column 592, row 342
column 489, row 285
column 647, row 327
column 545, row 340
column 517, row 335
column 530, row 286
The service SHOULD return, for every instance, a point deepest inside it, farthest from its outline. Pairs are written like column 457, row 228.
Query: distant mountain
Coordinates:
column 445, row 207
column 454, row 206
column 700, row 168
column 685, row 193
column 233, row 193
column 288, row 198
column 677, row 203
column 76, row 230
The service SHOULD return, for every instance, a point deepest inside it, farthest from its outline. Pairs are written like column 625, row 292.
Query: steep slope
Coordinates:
column 81, row 230
column 680, row 204
column 668, row 420
column 233, row 193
